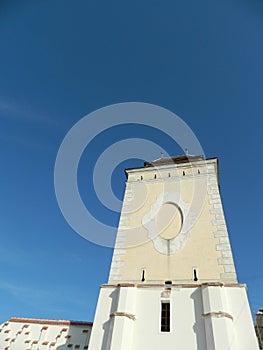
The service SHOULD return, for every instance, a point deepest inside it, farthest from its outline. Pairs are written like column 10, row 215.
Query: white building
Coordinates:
column 172, row 281
column 35, row 334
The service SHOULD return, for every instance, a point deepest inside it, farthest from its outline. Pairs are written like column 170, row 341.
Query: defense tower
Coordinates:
column 172, row 280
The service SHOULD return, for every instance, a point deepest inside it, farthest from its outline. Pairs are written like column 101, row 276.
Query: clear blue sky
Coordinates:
column 61, row 60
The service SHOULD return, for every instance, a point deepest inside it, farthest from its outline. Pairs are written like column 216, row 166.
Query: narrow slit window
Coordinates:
column 195, row 274
column 165, row 316
column 143, row 276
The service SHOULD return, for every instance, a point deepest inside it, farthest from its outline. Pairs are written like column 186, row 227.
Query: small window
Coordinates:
column 165, row 316
column 195, row 278
column 143, row 276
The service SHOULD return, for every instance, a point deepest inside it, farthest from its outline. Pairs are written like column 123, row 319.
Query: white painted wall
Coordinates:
column 34, row 334
column 189, row 329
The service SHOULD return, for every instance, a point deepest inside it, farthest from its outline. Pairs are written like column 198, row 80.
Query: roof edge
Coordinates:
column 172, row 160
column 50, row 322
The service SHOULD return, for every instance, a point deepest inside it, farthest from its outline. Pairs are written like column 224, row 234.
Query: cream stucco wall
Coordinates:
column 193, row 188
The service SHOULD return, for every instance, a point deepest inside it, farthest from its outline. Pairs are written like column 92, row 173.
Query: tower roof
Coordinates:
column 186, row 158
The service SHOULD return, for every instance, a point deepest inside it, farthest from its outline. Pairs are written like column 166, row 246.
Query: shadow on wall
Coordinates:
column 199, row 327
column 108, row 325
column 77, row 337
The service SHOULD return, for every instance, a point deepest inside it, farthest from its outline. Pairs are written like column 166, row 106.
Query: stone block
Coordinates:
column 223, row 240
column 220, row 234
column 114, row 271
column 218, row 222
column 211, row 191
column 225, row 261
column 220, row 217
column 224, row 246
column 228, row 275
column 117, row 258
column 227, row 254
column 215, row 211
column 214, row 201
column 221, row 228
column 117, row 264
column 229, row 268
column 115, row 277
column 121, row 239
column 119, row 252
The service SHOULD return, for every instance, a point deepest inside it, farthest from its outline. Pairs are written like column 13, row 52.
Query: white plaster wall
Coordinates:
column 187, row 328
column 103, row 324
column 187, row 321
column 32, row 336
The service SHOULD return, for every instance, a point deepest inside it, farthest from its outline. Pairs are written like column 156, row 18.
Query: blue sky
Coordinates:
column 61, row 60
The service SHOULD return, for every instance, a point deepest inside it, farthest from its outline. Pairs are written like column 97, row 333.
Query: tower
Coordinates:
column 172, row 280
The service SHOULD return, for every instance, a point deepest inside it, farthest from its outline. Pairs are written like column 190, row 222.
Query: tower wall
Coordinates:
column 203, row 317
column 172, row 280
column 203, row 241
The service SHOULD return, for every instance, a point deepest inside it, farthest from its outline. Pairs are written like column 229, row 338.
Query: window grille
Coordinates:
column 165, row 316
